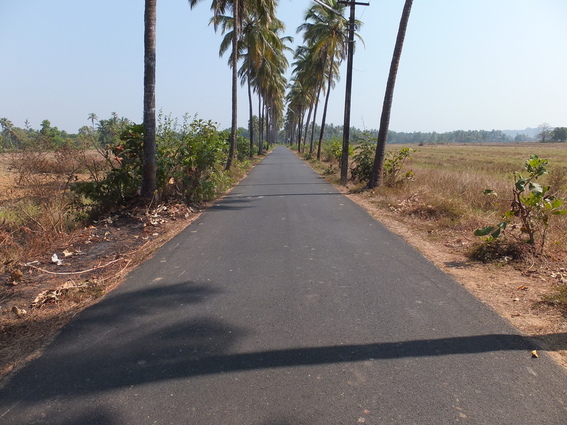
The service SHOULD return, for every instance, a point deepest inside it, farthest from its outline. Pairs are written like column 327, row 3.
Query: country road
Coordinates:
column 287, row 304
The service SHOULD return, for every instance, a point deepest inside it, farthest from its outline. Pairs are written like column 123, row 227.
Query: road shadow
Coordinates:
column 200, row 347
column 458, row 264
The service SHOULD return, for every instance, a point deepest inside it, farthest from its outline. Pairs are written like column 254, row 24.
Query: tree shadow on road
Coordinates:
column 202, row 346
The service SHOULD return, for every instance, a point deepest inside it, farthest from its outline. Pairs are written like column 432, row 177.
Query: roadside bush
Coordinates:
column 363, row 161
column 393, row 164
column 121, row 182
column 532, row 207
column 331, row 150
column 191, row 161
column 243, row 148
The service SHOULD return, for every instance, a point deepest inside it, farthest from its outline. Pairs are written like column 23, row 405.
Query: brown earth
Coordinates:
column 39, row 297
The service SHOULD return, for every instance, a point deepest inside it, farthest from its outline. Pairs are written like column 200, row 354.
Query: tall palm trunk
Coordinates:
column 251, row 113
column 308, row 121
column 325, row 107
column 314, row 119
column 300, row 127
column 234, row 127
column 149, row 165
column 261, row 126
column 376, row 176
column 267, row 125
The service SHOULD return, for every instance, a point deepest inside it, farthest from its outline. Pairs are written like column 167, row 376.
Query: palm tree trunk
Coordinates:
column 378, row 167
column 307, row 126
column 149, row 164
column 325, row 108
column 250, row 123
column 267, row 125
column 234, row 126
column 300, row 129
column 314, row 119
column 261, row 126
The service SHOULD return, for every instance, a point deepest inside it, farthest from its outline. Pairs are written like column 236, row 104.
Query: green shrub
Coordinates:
column 532, row 205
column 393, row 164
column 190, row 164
column 122, row 181
column 363, row 161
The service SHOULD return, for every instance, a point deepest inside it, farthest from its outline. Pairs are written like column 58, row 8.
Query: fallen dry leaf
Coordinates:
column 523, row 288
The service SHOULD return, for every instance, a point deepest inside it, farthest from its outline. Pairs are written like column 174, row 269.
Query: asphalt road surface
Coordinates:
column 287, row 304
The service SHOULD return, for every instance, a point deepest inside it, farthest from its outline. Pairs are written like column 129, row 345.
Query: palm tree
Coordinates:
column 219, row 7
column 325, row 34
column 92, row 118
column 269, row 83
column 378, row 167
column 305, row 73
column 149, row 165
column 259, row 45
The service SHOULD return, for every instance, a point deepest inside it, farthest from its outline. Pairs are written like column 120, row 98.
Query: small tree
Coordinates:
column 559, row 134
column 544, row 132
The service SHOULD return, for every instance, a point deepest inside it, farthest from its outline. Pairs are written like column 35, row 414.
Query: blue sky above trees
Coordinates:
column 466, row 64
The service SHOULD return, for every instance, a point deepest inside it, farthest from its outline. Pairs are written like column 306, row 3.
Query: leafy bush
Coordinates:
column 191, row 161
column 363, row 161
column 122, row 181
column 393, row 164
column 532, row 205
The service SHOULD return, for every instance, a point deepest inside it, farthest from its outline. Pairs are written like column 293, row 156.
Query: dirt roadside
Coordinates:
column 515, row 292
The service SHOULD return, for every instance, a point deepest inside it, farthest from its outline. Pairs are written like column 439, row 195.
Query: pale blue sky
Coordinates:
column 467, row 64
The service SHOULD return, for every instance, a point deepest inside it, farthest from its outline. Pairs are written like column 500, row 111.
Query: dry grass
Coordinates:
column 450, row 181
column 39, row 207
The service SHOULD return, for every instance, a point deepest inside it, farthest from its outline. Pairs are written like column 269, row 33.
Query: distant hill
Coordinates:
column 530, row 132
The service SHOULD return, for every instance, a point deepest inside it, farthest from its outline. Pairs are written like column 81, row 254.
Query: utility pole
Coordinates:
column 350, row 55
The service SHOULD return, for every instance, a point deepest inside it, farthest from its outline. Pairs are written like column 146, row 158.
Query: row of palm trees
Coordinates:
column 315, row 70
column 253, row 34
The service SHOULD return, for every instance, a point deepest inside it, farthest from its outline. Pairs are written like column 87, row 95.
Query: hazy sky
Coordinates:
column 467, row 64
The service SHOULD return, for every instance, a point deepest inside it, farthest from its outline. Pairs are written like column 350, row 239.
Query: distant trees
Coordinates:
column 544, row 132
column 559, row 134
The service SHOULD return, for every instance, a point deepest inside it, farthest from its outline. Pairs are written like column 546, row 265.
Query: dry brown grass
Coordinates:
column 450, row 181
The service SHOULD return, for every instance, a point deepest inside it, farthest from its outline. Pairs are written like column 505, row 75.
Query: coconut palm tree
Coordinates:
column 325, row 34
column 240, row 9
column 92, row 118
column 149, row 164
column 260, row 47
column 378, row 167
column 219, row 7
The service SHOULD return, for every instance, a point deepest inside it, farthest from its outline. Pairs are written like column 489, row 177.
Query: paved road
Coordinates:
column 286, row 304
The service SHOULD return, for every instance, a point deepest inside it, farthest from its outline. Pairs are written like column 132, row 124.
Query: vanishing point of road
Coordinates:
column 287, row 304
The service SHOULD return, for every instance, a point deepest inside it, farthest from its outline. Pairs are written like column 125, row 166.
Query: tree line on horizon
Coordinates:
column 107, row 131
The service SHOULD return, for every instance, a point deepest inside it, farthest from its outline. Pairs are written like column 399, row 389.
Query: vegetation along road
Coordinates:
column 286, row 303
